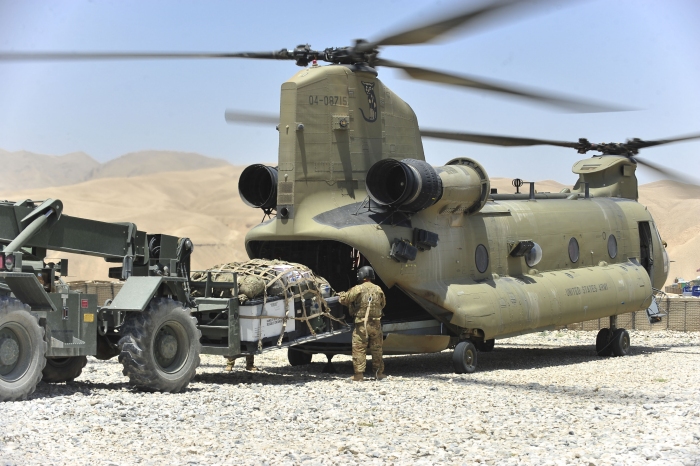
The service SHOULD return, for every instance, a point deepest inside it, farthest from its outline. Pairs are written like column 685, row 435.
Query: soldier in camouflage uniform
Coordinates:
column 365, row 302
column 249, row 363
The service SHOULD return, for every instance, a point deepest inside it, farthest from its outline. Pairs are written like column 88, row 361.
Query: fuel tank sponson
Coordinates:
column 413, row 185
column 257, row 186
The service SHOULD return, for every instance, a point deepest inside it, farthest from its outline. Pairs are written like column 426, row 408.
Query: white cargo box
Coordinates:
column 252, row 328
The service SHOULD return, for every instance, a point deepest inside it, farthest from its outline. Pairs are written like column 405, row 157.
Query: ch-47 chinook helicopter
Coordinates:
column 461, row 265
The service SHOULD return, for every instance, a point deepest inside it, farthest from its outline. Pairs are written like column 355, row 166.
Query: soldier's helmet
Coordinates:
column 365, row 272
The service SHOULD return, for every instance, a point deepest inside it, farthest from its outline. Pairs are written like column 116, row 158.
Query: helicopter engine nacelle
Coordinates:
column 409, row 185
column 257, row 186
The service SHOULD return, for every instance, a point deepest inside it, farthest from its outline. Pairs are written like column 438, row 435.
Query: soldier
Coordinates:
column 249, row 363
column 365, row 302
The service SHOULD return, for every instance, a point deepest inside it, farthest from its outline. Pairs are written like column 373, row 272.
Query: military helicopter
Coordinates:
column 461, row 264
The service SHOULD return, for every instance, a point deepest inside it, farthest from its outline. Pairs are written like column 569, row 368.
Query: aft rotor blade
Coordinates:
column 234, row 116
column 495, row 140
column 434, row 30
column 78, row 56
column 570, row 104
column 672, row 175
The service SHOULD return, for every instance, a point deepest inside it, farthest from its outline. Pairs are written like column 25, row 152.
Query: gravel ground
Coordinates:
column 537, row 399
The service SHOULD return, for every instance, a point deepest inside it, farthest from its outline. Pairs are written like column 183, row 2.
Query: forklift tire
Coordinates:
column 22, row 350
column 160, row 347
column 298, row 358
column 59, row 370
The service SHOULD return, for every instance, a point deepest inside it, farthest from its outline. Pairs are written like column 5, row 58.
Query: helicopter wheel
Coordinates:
column 464, row 357
column 603, row 342
column 620, row 342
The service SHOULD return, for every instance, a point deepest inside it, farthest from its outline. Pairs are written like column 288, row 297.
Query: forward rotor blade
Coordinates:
column 78, row 56
column 432, row 31
column 495, row 140
column 572, row 105
column 640, row 144
column 234, row 116
column 672, row 175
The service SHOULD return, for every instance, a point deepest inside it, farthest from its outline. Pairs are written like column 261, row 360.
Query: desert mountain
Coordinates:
column 676, row 211
column 208, row 210
column 30, row 170
column 153, row 161
column 204, row 205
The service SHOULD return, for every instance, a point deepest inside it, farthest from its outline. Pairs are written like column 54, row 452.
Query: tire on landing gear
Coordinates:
column 485, row 346
column 603, row 344
column 59, row 370
column 298, row 358
column 159, row 347
column 620, row 342
column 22, row 350
column 464, row 357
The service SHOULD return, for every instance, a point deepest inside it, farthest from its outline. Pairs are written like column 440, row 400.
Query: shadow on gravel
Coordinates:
column 517, row 357
column 435, row 366
column 510, row 357
column 53, row 390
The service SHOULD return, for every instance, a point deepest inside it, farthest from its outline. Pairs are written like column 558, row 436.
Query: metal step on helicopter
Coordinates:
column 461, row 264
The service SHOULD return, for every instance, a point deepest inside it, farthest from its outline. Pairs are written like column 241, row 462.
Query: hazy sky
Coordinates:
column 636, row 53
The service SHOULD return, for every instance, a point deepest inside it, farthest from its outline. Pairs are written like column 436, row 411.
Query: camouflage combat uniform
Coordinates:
column 365, row 302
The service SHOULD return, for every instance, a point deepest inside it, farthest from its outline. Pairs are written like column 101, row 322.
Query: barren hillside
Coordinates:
column 31, row 170
column 676, row 210
column 204, row 207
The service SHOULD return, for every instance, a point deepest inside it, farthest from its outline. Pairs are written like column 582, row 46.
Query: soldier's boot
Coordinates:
column 381, row 375
column 358, row 377
column 229, row 364
column 250, row 364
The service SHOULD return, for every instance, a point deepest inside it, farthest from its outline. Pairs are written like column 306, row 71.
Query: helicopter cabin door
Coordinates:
column 646, row 257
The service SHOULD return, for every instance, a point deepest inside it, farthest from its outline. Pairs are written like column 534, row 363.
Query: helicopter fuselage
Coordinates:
column 494, row 265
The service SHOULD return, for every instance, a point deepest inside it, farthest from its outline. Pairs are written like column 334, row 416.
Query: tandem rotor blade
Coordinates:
column 76, row 56
column 432, row 31
column 668, row 173
column 495, row 140
column 570, row 104
column 235, row 116
column 582, row 146
column 640, row 144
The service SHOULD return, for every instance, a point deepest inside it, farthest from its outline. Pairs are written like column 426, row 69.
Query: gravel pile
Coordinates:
column 538, row 399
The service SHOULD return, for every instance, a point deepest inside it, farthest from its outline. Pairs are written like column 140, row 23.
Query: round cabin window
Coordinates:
column 534, row 256
column 481, row 258
column 612, row 246
column 573, row 250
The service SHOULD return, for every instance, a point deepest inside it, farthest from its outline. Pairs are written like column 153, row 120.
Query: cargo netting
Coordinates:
column 264, row 279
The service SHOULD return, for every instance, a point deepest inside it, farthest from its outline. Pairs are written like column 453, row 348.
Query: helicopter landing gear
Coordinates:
column 613, row 340
column 602, row 342
column 620, row 342
column 485, row 346
column 298, row 358
column 464, row 357
column 329, row 368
